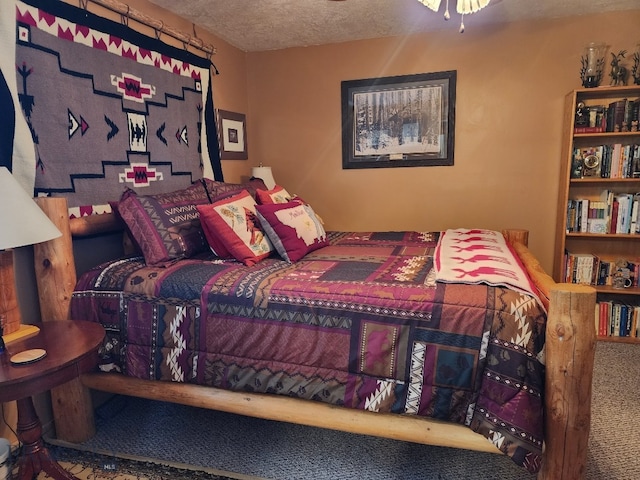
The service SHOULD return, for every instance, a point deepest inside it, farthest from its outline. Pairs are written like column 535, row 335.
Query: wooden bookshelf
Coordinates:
column 578, row 183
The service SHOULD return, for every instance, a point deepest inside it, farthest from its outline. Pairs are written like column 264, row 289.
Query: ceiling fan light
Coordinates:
column 431, row 4
column 466, row 7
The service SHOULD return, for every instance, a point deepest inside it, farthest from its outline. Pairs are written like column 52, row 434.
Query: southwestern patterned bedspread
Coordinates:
column 361, row 323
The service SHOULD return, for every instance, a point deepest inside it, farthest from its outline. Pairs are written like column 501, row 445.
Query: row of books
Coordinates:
column 612, row 213
column 606, row 161
column 616, row 319
column 618, row 116
column 589, row 269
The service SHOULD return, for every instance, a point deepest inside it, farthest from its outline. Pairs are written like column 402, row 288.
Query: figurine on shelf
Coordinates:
column 635, row 70
column 618, row 72
column 622, row 275
column 582, row 115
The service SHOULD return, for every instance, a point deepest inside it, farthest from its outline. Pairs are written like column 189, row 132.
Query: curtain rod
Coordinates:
column 158, row 25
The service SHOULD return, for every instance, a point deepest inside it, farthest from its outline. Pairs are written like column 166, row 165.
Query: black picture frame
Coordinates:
column 401, row 121
column 232, row 132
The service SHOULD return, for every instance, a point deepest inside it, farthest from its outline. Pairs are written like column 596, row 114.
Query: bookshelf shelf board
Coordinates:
column 605, row 236
column 606, row 92
column 618, row 339
column 606, row 134
column 617, row 291
column 600, row 180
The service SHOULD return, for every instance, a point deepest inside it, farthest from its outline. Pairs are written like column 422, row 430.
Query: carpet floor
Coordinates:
column 87, row 465
column 280, row 451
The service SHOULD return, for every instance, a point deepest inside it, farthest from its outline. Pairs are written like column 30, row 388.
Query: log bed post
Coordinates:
column 570, row 342
column 56, row 278
column 569, row 352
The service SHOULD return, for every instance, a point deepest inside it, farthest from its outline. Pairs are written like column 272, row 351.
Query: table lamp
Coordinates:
column 265, row 174
column 22, row 223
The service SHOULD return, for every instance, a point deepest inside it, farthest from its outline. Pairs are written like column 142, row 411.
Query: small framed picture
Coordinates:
column 232, row 131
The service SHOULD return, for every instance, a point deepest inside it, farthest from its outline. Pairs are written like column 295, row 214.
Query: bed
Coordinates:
column 355, row 335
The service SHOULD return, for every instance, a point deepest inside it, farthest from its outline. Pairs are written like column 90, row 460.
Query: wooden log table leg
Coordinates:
column 35, row 457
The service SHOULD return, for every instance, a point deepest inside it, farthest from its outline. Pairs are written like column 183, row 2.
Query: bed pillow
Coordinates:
column 219, row 190
column 166, row 226
column 129, row 244
column 232, row 223
column 293, row 228
column 276, row 195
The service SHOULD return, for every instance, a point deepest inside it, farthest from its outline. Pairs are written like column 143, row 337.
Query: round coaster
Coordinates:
column 28, row 356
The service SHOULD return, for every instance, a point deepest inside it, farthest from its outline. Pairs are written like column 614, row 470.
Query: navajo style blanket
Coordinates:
column 361, row 323
column 106, row 108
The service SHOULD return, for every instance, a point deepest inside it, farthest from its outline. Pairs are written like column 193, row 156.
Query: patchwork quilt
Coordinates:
column 361, row 323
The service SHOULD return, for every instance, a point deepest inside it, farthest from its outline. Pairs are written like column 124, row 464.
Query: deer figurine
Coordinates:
column 618, row 72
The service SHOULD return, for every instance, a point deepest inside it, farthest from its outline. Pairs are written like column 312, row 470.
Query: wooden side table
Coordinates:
column 72, row 349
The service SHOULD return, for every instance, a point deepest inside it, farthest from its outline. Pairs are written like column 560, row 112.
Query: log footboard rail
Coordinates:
column 569, row 352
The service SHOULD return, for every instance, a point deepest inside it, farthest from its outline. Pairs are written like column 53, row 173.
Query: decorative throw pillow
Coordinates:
column 166, row 226
column 220, row 190
column 293, row 228
column 232, row 224
column 276, row 195
column 129, row 244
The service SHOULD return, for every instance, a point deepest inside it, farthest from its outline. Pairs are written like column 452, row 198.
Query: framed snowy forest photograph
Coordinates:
column 401, row 121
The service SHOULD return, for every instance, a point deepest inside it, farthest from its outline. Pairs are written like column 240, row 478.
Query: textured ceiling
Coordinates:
column 256, row 25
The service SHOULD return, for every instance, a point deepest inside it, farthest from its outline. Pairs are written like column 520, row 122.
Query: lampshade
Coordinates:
column 431, row 4
column 464, row 7
column 265, row 174
column 22, row 222
column 470, row 6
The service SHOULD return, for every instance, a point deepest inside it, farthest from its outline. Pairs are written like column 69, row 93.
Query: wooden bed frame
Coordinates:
column 569, row 350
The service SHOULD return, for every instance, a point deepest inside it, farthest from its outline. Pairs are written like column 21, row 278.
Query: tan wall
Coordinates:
column 512, row 81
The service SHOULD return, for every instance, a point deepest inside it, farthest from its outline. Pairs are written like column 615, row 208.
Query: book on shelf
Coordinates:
column 617, row 319
column 615, row 213
column 602, row 316
column 597, row 222
column 583, row 222
column 622, row 161
column 614, row 160
column 634, row 121
column 605, row 268
column 616, row 152
column 613, row 221
column 578, row 215
column 625, row 204
column 572, row 206
column 607, row 197
column 581, row 268
column 591, row 119
column 618, row 116
column 634, row 226
column 629, row 112
column 590, row 269
column 631, row 121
